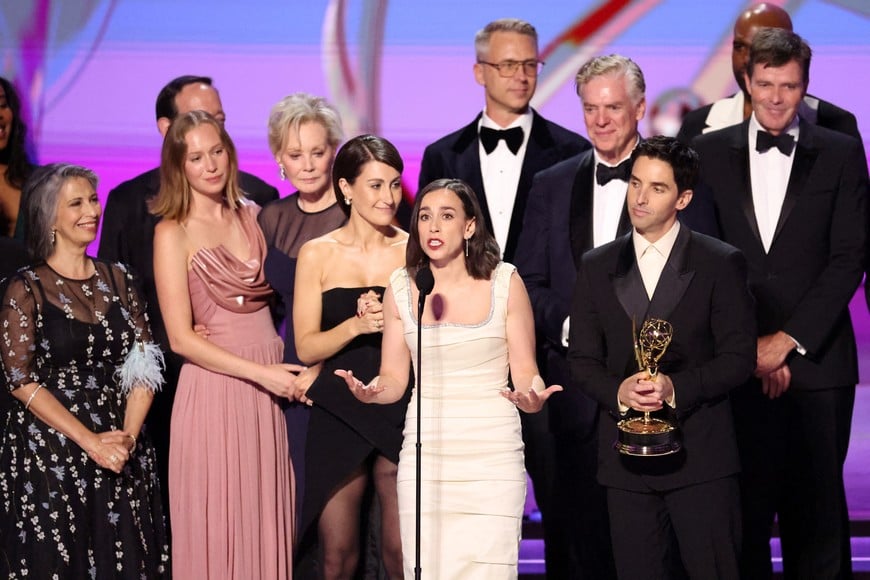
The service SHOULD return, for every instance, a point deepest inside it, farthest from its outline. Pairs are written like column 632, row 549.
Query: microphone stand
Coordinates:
column 419, row 484
column 425, row 283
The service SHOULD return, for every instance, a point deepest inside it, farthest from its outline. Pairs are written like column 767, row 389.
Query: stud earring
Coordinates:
column 281, row 172
column 346, row 200
column 53, row 236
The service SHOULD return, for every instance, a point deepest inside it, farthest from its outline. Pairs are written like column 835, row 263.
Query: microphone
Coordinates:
column 425, row 283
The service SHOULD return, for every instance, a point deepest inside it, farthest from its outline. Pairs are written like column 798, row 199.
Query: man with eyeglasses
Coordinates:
column 498, row 154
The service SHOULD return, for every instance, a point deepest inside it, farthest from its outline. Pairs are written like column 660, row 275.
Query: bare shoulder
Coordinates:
column 400, row 237
column 168, row 229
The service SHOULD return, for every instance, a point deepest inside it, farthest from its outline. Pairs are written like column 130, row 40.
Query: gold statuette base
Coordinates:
column 647, row 437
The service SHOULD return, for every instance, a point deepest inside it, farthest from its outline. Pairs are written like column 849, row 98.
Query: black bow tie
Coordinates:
column 764, row 141
column 513, row 138
column 604, row 173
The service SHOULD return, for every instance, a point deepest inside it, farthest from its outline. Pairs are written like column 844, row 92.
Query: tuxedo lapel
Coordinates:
column 674, row 280
column 537, row 157
column 581, row 226
column 467, row 150
column 580, row 216
column 627, row 282
column 739, row 165
column 804, row 158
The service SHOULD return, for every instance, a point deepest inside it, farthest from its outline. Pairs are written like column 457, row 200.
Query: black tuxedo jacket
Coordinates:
column 127, row 233
column 703, row 293
column 803, row 285
column 457, row 156
column 557, row 230
column 828, row 115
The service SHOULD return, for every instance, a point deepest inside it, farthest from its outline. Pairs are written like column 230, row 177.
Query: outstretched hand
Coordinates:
column 530, row 401
column 361, row 391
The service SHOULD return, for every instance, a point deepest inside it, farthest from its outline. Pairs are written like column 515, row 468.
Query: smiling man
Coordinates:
column 681, row 510
column 792, row 196
column 736, row 108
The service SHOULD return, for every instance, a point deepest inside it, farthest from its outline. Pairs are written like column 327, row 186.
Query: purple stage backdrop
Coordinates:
column 89, row 70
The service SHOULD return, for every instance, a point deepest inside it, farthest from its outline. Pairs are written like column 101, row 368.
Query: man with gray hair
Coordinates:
column 574, row 206
column 498, row 154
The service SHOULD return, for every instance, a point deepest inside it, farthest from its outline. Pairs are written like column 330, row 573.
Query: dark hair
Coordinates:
column 174, row 197
column 39, row 203
column 776, row 47
column 483, row 251
column 354, row 154
column 682, row 158
column 15, row 155
column 166, row 106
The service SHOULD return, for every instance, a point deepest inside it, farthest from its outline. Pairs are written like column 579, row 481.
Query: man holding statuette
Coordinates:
column 680, row 509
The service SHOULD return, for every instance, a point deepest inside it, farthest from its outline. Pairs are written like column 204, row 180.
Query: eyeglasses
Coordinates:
column 509, row 68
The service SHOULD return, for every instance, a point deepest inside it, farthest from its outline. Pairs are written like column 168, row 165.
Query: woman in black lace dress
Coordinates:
column 79, row 496
column 304, row 134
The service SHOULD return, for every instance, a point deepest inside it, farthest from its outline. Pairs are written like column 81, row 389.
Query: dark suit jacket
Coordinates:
column 803, row 285
column 457, row 156
column 827, row 115
column 127, row 233
column 703, row 293
column 557, row 230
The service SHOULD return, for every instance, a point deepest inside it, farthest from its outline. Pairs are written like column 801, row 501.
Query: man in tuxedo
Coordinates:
column 792, row 196
column 128, row 236
column 500, row 151
column 737, row 108
column 574, row 206
column 680, row 509
column 498, row 154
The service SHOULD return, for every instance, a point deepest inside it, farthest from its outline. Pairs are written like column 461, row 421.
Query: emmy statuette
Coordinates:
column 644, row 435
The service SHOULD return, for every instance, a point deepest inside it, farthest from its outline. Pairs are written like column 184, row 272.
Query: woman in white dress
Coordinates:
column 477, row 329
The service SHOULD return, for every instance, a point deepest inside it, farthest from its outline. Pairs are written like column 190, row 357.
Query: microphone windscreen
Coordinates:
column 425, row 281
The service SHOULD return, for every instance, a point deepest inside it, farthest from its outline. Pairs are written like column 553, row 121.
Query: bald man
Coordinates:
column 737, row 108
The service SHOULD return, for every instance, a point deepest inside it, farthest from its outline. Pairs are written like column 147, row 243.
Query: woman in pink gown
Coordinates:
column 230, row 479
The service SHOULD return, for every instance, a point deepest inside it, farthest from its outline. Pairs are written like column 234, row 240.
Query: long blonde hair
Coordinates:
column 173, row 199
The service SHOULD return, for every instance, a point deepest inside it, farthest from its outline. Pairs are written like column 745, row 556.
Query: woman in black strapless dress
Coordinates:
column 338, row 319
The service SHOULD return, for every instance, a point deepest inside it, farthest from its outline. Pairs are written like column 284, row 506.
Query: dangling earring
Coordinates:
column 282, row 173
column 346, row 200
column 466, row 247
column 53, row 236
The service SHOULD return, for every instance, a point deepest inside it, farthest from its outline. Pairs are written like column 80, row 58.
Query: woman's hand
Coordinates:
column 108, row 449
column 531, row 400
column 280, row 379
column 364, row 393
column 304, row 380
column 369, row 313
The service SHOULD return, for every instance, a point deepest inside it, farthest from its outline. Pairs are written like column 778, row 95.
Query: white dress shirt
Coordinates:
column 501, row 171
column 607, row 203
column 769, row 173
column 652, row 256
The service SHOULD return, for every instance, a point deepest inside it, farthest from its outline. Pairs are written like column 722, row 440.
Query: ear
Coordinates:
column 747, row 82
column 478, row 74
column 163, row 124
column 684, row 199
column 470, row 228
column 344, row 186
column 641, row 109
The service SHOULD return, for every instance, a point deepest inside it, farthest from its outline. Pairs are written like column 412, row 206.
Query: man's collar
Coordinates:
column 664, row 244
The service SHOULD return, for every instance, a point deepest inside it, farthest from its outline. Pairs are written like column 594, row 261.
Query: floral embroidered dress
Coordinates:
column 87, row 342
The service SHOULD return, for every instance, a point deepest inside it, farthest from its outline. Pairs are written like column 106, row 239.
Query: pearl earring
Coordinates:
column 346, row 200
